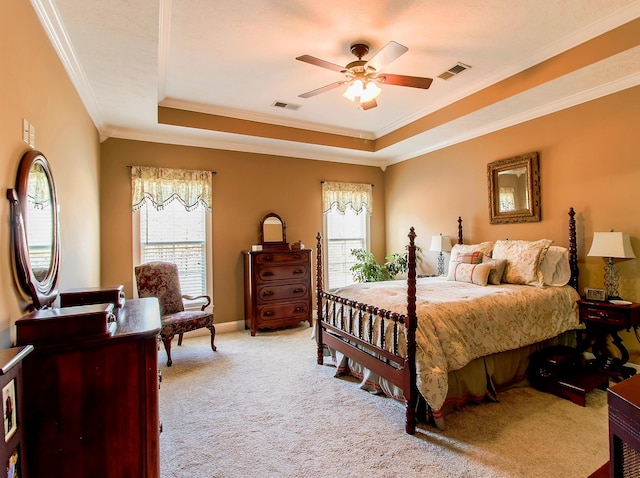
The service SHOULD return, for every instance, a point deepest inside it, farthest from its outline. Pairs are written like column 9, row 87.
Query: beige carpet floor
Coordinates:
column 262, row 407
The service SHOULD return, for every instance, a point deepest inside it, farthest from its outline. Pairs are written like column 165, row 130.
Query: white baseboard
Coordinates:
column 221, row 328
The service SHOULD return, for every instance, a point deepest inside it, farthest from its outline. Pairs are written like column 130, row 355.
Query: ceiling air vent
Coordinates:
column 454, row 70
column 286, row 106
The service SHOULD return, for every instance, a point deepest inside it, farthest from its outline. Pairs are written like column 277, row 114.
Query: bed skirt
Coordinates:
column 481, row 379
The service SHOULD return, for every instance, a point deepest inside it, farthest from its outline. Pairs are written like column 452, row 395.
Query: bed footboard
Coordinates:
column 380, row 340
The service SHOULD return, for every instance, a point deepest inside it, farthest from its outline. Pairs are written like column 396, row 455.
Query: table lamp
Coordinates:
column 611, row 245
column 440, row 244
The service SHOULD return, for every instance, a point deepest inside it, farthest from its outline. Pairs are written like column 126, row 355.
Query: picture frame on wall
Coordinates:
column 9, row 409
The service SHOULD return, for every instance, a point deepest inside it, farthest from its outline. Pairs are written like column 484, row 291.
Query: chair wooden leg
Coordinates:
column 167, row 347
column 212, row 329
column 180, row 339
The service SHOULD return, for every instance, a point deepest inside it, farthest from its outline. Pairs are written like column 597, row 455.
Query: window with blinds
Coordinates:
column 176, row 235
column 344, row 232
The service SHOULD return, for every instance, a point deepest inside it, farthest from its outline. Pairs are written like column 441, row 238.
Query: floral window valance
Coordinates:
column 357, row 196
column 160, row 186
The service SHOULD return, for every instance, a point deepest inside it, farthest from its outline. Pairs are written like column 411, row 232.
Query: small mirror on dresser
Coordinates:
column 273, row 232
column 35, row 234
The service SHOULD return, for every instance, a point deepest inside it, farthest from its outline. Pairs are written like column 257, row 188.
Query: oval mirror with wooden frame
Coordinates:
column 514, row 189
column 35, row 234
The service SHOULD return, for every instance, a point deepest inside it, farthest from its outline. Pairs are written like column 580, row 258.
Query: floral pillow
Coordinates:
column 472, row 273
column 523, row 260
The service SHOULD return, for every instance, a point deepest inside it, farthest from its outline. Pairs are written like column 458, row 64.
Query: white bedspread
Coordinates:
column 459, row 322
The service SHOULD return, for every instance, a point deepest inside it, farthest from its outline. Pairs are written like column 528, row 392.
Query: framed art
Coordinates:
column 9, row 409
column 595, row 294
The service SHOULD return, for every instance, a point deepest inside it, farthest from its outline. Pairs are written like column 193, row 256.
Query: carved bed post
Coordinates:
column 460, row 239
column 411, row 389
column 319, row 299
column 573, row 251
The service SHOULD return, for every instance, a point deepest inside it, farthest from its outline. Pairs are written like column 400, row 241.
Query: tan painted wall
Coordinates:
column 588, row 161
column 34, row 85
column 245, row 188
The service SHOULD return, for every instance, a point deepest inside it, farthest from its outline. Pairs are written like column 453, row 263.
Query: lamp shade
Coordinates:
column 611, row 244
column 440, row 243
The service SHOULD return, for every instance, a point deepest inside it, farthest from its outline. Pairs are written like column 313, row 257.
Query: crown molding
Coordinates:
column 52, row 24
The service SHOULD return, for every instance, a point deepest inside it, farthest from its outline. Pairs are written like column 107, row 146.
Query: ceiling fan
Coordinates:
column 362, row 76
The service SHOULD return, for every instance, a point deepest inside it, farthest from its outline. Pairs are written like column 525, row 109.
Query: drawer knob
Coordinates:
column 268, row 313
column 267, row 293
column 268, row 274
column 299, row 309
column 298, row 271
column 298, row 290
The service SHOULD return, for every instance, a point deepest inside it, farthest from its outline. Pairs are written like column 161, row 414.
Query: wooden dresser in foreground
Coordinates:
column 91, row 402
column 277, row 286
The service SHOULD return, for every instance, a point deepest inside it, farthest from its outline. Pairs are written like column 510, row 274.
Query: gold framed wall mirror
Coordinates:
column 514, row 189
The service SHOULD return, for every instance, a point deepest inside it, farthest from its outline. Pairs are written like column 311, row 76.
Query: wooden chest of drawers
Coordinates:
column 277, row 288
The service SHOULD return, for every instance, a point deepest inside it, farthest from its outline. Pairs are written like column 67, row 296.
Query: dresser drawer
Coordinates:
column 609, row 316
column 269, row 273
column 279, row 257
column 273, row 292
column 276, row 312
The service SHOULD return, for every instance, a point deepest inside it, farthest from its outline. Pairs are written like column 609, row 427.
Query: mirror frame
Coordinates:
column 531, row 163
column 42, row 292
column 273, row 244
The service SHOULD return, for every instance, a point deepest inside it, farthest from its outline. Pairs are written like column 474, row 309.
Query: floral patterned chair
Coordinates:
column 160, row 279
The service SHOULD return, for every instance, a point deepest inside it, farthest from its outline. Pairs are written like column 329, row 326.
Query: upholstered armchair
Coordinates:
column 160, row 279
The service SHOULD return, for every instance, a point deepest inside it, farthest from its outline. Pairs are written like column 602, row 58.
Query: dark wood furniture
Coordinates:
column 386, row 361
column 277, row 284
column 91, row 402
column 561, row 370
column 12, row 447
column 604, row 319
column 624, row 428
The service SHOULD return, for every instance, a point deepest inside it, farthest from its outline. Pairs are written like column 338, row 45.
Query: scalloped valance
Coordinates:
column 357, row 196
column 159, row 186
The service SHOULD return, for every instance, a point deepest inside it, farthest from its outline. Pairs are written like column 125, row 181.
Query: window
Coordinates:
column 176, row 235
column 343, row 232
column 347, row 208
column 171, row 222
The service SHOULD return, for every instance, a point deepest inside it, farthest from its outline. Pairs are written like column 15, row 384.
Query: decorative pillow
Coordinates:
column 523, row 260
column 468, row 257
column 483, row 247
column 555, row 266
column 497, row 270
column 472, row 273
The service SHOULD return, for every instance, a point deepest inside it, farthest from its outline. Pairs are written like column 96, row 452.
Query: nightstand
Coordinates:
column 601, row 320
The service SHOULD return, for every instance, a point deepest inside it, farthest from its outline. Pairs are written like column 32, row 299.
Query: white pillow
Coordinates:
column 523, row 260
column 555, row 266
column 472, row 273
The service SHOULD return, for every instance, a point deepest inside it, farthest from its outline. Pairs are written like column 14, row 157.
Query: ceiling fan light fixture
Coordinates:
column 362, row 92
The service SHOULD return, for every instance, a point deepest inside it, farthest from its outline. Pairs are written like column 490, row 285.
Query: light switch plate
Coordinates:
column 25, row 130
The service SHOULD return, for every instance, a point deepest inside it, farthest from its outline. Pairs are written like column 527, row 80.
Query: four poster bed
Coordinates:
column 436, row 343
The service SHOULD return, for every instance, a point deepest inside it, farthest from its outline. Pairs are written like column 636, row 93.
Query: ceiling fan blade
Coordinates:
column 367, row 105
column 390, row 52
column 321, row 63
column 403, row 80
column 317, row 91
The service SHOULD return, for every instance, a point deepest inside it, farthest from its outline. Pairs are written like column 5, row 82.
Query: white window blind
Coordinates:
column 344, row 232
column 176, row 235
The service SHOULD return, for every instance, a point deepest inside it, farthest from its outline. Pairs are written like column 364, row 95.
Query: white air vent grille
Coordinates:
column 454, row 70
column 286, row 106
